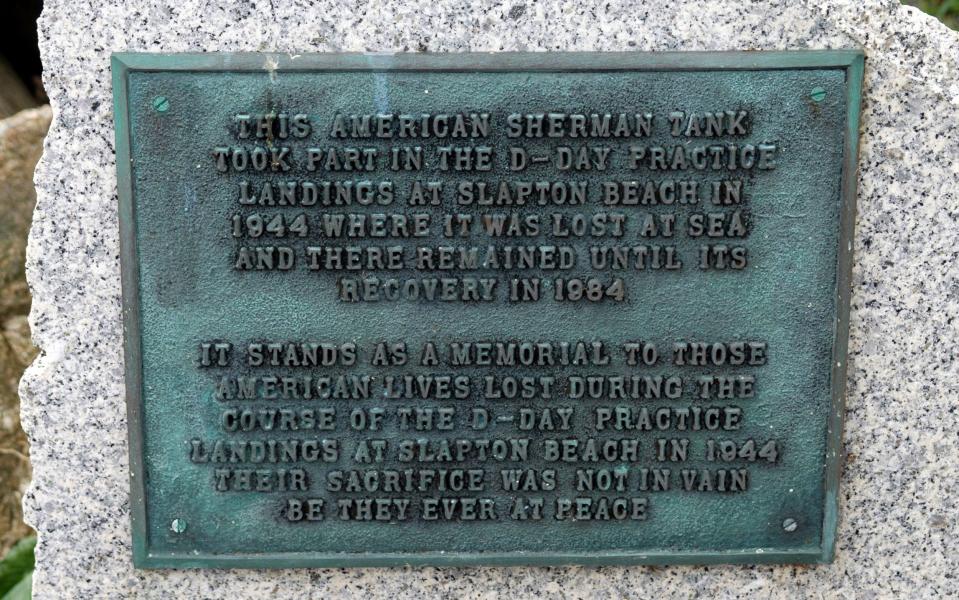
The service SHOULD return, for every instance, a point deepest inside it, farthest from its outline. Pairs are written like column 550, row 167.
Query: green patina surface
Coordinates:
column 179, row 289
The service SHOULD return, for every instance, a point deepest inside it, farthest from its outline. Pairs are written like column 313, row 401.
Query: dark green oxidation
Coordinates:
column 180, row 289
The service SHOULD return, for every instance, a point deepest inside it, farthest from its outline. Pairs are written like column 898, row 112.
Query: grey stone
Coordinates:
column 902, row 467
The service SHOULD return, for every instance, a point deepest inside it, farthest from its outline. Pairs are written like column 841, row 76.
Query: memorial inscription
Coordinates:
column 485, row 309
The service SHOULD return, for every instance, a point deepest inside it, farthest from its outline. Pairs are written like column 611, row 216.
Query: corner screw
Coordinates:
column 178, row 526
column 790, row 525
column 818, row 94
column 161, row 104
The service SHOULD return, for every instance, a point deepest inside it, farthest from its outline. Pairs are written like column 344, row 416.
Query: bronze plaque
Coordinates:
column 485, row 309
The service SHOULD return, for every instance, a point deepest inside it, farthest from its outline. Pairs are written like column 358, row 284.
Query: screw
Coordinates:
column 817, row 94
column 178, row 526
column 161, row 104
column 790, row 525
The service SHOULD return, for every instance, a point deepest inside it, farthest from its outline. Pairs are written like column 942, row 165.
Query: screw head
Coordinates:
column 161, row 104
column 790, row 525
column 178, row 526
column 817, row 94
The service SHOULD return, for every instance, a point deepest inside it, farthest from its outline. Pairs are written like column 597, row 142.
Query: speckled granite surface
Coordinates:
column 898, row 534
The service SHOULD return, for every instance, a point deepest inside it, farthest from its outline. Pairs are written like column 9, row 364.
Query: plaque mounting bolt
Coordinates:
column 178, row 526
column 161, row 104
column 790, row 525
column 817, row 94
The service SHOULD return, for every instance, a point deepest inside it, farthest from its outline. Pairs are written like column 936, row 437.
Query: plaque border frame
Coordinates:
column 123, row 63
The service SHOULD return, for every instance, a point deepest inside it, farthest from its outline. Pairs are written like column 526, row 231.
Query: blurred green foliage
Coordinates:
column 946, row 11
column 16, row 571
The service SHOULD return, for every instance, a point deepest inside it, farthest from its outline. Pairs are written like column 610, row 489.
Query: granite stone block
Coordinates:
column 898, row 529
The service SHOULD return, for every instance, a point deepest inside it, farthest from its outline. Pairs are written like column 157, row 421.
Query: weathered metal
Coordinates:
column 182, row 288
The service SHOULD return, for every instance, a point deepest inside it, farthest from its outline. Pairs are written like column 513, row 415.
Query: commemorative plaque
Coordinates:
column 485, row 308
